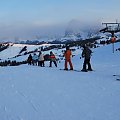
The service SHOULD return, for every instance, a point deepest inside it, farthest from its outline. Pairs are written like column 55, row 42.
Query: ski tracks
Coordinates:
column 32, row 104
column 35, row 107
column 8, row 116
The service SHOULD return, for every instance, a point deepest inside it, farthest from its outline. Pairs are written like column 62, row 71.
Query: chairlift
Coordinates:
column 111, row 28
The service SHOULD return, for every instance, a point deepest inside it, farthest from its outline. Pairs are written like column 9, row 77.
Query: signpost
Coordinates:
column 113, row 41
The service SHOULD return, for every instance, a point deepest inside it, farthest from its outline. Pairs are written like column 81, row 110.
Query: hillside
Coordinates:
column 43, row 93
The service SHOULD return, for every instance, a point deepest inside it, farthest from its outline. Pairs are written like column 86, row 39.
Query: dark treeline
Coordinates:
column 11, row 63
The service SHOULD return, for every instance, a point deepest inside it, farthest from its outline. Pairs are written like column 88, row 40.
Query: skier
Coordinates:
column 86, row 54
column 34, row 59
column 52, row 59
column 41, row 59
column 67, row 56
column 29, row 60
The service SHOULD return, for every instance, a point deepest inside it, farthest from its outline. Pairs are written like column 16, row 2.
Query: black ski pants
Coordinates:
column 87, row 62
column 53, row 62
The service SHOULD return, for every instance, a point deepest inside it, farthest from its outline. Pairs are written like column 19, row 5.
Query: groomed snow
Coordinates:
column 35, row 93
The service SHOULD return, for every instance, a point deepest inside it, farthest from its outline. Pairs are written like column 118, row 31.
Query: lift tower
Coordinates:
column 111, row 28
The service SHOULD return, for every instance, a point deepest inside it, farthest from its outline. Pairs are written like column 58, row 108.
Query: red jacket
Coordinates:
column 52, row 57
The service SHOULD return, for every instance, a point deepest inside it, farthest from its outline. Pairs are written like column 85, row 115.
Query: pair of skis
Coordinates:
column 74, row 70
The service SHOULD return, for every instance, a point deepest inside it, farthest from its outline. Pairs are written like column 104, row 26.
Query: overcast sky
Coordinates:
column 22, row 18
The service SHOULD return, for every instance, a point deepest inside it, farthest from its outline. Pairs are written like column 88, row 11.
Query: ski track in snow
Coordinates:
column 9, row 116
column 6, row 110
column 27, row 99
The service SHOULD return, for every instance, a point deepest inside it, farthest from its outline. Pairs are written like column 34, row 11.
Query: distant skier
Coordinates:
column 29, row 60
column 67, row 56
column 41, row 59
column 34, row 59
column 52, row 59
column 86, row 54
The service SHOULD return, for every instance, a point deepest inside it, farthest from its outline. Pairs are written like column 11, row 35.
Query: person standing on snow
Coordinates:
column 52, row 59
column 67, row 56
column 86, row 54
column 41, row 59
column 29, row 60
column 35, row 59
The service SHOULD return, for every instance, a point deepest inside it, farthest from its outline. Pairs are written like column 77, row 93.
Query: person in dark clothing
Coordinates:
column 52, row 59
column 86, row 54
column 29, row 60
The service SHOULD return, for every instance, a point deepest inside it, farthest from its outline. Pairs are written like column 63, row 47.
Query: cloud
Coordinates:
column 29, row 31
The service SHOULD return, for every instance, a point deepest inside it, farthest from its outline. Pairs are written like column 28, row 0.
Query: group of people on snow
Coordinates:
column 39, row 59
column 86, row 54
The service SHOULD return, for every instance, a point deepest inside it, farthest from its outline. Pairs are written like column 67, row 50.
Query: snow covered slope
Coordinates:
column 35, row 93
column 14, row 50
